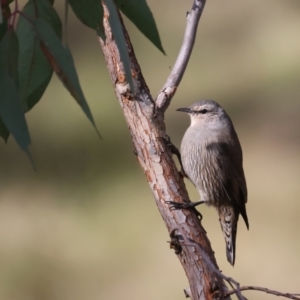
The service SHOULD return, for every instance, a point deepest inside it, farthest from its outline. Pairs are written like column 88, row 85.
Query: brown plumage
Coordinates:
column 212, row 159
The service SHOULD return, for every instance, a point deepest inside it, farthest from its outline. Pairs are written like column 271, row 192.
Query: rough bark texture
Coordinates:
column 146, row 124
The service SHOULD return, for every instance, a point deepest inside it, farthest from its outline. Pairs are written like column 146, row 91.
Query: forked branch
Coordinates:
column 145, row 121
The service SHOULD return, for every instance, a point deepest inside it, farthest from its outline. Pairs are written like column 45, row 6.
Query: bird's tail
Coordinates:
column 228, row 218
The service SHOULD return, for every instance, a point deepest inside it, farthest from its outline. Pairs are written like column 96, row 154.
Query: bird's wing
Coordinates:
column 228, row 159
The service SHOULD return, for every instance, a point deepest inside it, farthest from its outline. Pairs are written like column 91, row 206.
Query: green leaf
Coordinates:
column 11, row 112
column 90, row 13
column 139, row 13
column 4, row 11
column 3, row 29
column 35, row 71
column 4, row 133
column 9, row 54
column 66, row 13
column 62, row 63
column 1, row 18
column 117, row 31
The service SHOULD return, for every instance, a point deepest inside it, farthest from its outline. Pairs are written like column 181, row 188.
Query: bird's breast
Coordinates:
column 200, row 165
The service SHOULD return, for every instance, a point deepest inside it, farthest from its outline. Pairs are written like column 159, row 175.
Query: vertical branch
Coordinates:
column 146, row 124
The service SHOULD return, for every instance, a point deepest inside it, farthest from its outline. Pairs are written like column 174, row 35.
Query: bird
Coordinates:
column 212, row 159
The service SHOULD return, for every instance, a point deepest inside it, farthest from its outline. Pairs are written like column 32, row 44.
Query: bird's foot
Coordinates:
column 186, row 205
column 175, row 242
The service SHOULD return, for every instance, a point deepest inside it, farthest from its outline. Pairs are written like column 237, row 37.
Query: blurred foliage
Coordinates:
column 85, row 226
column 29, row 56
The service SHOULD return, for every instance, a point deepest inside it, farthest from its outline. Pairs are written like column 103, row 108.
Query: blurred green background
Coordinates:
column 85, row 225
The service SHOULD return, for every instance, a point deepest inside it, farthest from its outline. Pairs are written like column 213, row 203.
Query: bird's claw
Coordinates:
column 184, row 205
column 175, row 242
column 178, row 205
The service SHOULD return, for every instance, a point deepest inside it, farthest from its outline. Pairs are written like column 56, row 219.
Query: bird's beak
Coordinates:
column 184, row 109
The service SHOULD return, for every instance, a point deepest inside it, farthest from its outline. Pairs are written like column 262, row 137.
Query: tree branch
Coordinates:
column 168, row 90
column 145, row 119
column 218, row 273
column 261, row 289
column 237, row 290
column 146, row 124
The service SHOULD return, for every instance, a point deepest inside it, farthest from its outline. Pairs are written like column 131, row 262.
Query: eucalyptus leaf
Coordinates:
column 90, row 13
column 62, row 63
column 11, row 111
column 139, row 13
column 35, row 71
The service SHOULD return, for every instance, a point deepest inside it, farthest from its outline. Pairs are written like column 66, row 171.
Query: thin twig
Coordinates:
column 193, row 17
column 237, row 290
column 261, row 289
column 214, row 269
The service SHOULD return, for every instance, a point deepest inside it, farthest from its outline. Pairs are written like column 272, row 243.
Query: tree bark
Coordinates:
column 146, row 124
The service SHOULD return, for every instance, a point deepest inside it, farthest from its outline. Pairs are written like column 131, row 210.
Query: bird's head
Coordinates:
column 204, row 112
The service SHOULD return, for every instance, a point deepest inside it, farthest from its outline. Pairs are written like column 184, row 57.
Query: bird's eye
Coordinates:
column 203, row 111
